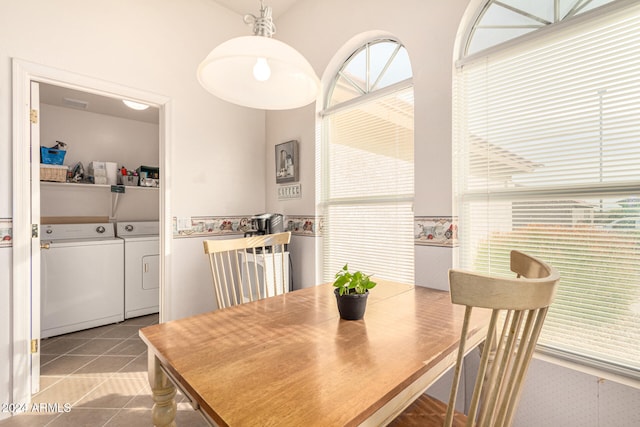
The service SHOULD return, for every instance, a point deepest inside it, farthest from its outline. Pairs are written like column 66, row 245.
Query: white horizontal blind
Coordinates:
column 368, row 187
column 547, row 160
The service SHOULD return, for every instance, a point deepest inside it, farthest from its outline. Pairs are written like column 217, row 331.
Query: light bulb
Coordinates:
column 261, row 70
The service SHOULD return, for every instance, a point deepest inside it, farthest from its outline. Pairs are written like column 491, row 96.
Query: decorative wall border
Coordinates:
column 304, row 225
column 210, row 226
column 428, row 230
column 6, row 232
column 237, row 225
column 436, row 231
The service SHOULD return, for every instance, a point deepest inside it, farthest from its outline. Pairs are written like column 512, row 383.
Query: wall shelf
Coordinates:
column 98, row 190
column 92, row 186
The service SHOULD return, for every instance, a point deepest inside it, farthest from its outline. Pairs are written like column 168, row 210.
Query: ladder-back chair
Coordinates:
column 519, row 307
column 249, row 268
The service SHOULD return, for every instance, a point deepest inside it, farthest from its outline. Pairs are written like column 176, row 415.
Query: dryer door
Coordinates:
column 150, row 272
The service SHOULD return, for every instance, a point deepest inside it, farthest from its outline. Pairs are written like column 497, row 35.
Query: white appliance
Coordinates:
column 260, row 263
column 141, row 266
column 82, row 281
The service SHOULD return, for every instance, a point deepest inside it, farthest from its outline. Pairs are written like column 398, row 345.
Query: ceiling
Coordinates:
column 67, row 98
column 244, row 7
column 84, row 101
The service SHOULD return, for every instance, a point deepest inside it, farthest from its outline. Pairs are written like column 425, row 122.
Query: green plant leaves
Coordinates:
column 352, row 283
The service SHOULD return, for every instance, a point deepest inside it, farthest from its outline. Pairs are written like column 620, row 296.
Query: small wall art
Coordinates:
column 287, row 162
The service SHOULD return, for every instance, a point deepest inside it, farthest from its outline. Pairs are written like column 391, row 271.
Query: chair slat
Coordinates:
column 248, row 269
column 458, row 367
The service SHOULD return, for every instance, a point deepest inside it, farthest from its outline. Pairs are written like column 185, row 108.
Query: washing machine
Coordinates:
column 141, row 266
column 82, row 277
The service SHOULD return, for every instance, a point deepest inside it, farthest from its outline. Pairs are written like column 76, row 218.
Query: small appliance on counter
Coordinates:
column 149, row 176
column 266, row 223
column 261, row 224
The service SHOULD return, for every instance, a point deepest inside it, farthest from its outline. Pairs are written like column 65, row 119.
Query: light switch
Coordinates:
column 291, row 191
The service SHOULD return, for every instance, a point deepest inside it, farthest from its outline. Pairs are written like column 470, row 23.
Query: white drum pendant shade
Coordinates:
column 289, row 81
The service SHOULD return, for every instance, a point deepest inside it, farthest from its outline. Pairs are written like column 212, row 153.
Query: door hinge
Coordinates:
column 34, row 116
column 34, row 346
column 34, row 231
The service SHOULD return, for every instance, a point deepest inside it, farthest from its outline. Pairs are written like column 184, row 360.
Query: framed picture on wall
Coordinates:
column 287, row 162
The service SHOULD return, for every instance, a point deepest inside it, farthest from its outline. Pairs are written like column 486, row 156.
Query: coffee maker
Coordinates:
column 269, row 223
column 266, row 223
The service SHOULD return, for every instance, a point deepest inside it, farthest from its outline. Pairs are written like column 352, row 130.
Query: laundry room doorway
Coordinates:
column 37, row 88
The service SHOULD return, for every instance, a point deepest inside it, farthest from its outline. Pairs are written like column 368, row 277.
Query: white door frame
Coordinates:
column 24, row 73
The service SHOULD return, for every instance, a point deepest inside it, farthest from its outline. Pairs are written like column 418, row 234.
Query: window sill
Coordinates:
column 601, row 374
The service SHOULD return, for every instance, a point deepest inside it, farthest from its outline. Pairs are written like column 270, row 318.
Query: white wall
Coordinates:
column 556, row 396
column 428, row 30
column 303, row 261
column 6, row 350
column 98, row 137
column 155, row 46
column 282, row 126
column 195, row 294
column 136, row 204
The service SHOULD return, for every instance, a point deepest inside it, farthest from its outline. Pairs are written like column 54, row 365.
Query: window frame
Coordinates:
column 371, row 94
column 562, row 25
column 590, row 190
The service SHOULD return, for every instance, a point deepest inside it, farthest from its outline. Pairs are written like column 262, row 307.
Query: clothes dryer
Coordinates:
column 141, row 266
column 82, row 280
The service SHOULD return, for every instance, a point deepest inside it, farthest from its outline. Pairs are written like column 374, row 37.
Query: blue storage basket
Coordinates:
column 52, row 156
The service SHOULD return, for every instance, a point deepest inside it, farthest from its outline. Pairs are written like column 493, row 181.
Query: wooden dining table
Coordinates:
column 290, row 360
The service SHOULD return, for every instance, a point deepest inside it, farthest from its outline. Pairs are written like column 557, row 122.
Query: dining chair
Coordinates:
column 249, row 268
column 519, row 306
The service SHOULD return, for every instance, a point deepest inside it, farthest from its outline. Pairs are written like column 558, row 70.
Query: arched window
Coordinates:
column 365, row 159
column 500, row 21
column 547, row 160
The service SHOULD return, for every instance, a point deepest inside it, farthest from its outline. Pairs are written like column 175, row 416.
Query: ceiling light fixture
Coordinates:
column 135, row 105
column 75, row 103
column 258, row 71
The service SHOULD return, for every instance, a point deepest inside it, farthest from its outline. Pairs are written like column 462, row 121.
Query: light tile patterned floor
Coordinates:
column 101, row 375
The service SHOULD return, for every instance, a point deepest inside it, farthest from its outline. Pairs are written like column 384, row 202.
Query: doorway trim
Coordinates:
column 24, row 73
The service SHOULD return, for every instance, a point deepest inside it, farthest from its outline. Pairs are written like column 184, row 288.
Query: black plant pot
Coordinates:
column 351, row 306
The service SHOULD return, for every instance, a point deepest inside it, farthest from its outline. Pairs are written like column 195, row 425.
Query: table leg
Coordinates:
column 164, row 392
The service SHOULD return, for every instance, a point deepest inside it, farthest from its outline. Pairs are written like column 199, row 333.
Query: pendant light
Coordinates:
column 258, row 71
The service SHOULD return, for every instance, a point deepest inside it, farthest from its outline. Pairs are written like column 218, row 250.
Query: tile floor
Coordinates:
column 101, row 374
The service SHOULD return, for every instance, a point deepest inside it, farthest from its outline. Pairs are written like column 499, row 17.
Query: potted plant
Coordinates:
column 352, row 290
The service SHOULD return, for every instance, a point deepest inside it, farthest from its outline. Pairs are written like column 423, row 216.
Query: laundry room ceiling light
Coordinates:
column 259, row 71
column 135, row 105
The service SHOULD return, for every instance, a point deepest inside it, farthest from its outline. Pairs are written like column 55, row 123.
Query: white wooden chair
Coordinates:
column 519, row 307
column 250, row 268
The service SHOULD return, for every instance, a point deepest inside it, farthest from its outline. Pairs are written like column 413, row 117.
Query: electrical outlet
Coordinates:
column 184, row 223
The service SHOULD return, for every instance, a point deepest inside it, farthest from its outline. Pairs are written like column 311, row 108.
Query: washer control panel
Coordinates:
column 78, row 231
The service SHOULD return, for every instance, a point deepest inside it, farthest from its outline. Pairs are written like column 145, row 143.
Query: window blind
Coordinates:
column 367, row 187
column 547, row 160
